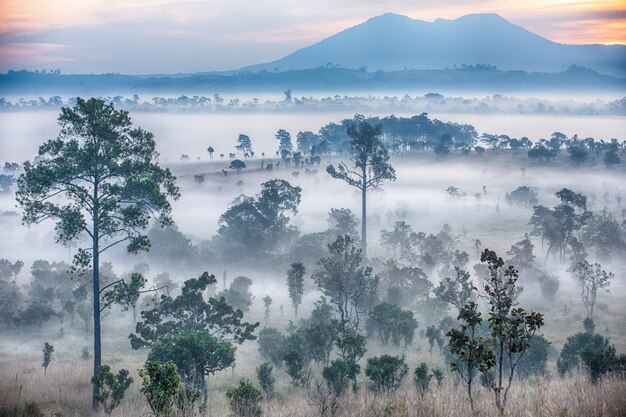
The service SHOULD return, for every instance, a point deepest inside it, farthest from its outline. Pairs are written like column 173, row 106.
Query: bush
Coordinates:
column 570, row 357
column 112, row 387
column 164, row 389
column 272, row 345
column 245, row 400
column 266, row 379
column 386, row 371
column 422, row 378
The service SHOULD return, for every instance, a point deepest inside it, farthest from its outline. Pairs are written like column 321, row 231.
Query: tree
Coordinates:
column 433, row 334
column 237, row 165
column 244, row 145
column 266, row 379
column 210, row 150
column 592, row 352
column 471, row 351
column 272, row 345
column 260, row 223
column 196, row 354
column 97, row 179
column 369, row 166
column 422, row 378
column 457, row 291
column 238, row 295
column 267, row 302
column 511, row 328
column 191, row 311
column 401, row 237
column 295, row 284
column 112, row 387
column 47, row 355
column 296, row 358
column 348, row 285
column 590, row 278
column 611, row 157
column 320, row 331
column 522, row 254
column 6, row 182
column 342, row 222
column 245, row 400
column 164, row 389
column 390, row 321
column 386, row 372
column 285, row 146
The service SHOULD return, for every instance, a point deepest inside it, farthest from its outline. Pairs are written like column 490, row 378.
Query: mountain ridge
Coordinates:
column 391, row 41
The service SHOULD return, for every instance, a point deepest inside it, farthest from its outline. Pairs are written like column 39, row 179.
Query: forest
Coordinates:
column 379, row 266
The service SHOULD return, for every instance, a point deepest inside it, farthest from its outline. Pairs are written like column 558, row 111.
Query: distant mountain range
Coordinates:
column 393, row 42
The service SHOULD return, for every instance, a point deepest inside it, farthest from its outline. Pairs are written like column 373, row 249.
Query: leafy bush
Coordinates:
column 386, row 371
column 245, row 400
column 422, row 378
column 266, row 379
column 47, row 355
column 164, row 389
column 112, row 387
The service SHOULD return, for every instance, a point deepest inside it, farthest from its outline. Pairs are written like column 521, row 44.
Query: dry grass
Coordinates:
column 65, row 389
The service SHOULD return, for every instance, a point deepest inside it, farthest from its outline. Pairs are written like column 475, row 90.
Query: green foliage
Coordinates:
column 522, row 254
column 422, row 378
column 112, row 387
column 34, row 314
column 245, row 400
column 164, row 389
column 320, row 331
column 511, row 328
column 195, row 353
column 123, row 294
column 386, row 371
column 47, row 355
column 295, row 284
column 266, row 379
column 272, row 345
column 433, row 334
column 192, row 311
column 603, row 362
column 296, row 359
column 338, row 375
column 570, row 358
column 389, row 320
column 438, row 374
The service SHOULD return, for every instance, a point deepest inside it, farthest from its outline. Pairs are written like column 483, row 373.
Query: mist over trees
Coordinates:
column 432, row 301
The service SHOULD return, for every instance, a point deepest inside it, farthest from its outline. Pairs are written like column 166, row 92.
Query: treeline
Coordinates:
column 431, row 102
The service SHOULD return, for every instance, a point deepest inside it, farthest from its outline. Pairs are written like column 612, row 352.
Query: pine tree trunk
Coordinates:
column 364, row 221
column 97, row 353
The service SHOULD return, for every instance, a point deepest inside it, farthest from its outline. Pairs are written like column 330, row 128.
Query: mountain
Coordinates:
column 395, row 42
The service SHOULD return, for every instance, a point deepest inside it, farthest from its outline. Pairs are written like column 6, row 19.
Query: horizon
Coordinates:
column 171, row 37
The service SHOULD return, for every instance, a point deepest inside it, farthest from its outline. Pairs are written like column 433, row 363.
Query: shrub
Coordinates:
column 245, row 400
column 422, row 378
column 386, row 371
column 112, row 387
column 266, row 379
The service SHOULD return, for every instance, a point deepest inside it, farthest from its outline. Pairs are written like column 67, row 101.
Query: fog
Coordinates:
column 418, row 196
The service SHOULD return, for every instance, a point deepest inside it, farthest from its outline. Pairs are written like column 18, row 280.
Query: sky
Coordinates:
column 172, row 36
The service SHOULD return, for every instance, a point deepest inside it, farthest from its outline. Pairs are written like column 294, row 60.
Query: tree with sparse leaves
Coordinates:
column 590, row 278
column 369, row 165
column 47, row 355
column 99, row 179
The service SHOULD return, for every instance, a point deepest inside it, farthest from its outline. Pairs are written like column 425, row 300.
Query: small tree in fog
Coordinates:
column 285, row 147
column 47, row 356
column 512, row 329
column 295, row 284
column 238, row 294
column 342, row 222
column 245, row 400
column 112, row 387
column 267, row 302
column 456, row 291
column 348, row 285
column 471, row 351
column 369, row 165
column 422, row 378
column 210, row 150
column 97, row 179
column 266, row 379
column 433, row 334
column 272, row 344
column 386, row 372
column 590, row 278
column 237, row 165
column 244, row 145
column 522, row 254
